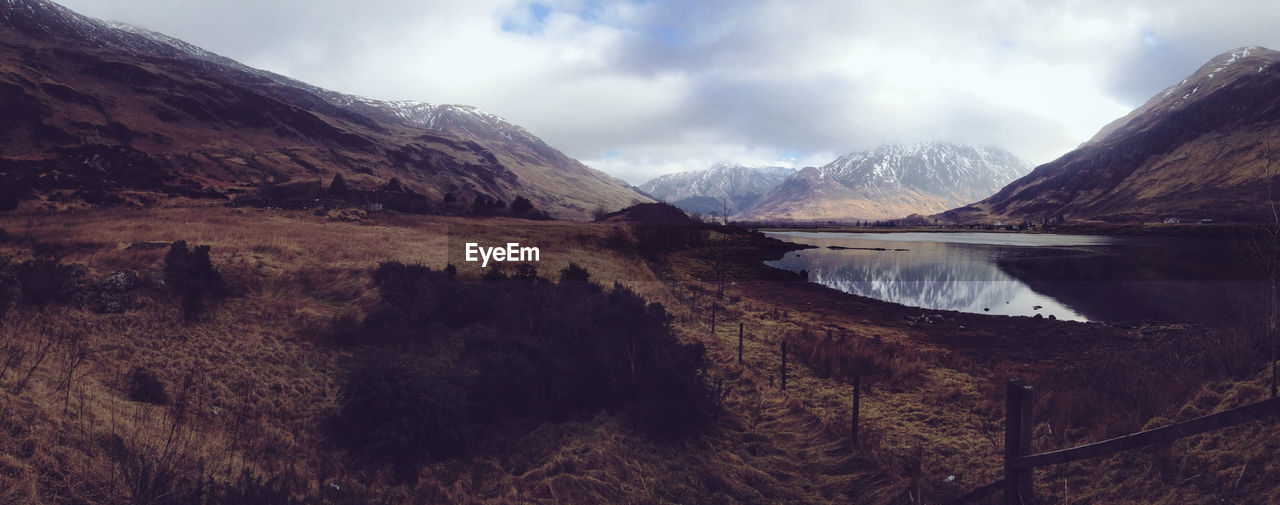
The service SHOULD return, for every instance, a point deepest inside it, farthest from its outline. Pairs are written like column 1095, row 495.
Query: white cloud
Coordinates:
column 643, row 88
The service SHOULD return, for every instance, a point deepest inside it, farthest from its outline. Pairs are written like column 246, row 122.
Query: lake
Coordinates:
column 1071, row 277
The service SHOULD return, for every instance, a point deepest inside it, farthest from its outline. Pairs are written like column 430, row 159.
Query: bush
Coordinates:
column 190, row 273
column 338, row 188
column 9, row 290
column 521, row 205
column 45, row 280
column 146, row 387
column 396, row 409
column 575, row 273
column 535, row 350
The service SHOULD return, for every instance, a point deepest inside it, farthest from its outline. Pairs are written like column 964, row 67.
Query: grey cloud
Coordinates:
column 669, row 84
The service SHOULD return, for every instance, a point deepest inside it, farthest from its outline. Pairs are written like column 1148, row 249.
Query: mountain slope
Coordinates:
column 892, row 181
column 1196, row 150
column 708, row 191
column 89, row 108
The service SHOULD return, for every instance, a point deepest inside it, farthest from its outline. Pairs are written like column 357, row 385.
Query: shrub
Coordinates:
column 146, row 387
column 575, row 273
column 533, row 349
column 190, row 273
column 521, row 205
column 396, row 409
column 45, row 280
column 9, row 290
column 338, row 188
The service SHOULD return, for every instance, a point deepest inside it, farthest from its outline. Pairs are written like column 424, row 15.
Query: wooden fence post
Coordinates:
column 784, row 365
column 1018, row 431
column 713, row 318
column 739, row 343
column 857, row 401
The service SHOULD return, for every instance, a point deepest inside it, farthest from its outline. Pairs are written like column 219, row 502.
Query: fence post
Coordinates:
column 739, row 343
column 1018, row 431
column 857, row 401
column 784, row 365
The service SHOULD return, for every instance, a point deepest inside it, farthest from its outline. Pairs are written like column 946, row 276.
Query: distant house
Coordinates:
column 1206, row 221
column 1172, row 220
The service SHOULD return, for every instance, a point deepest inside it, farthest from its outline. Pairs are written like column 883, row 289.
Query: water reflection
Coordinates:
column 1070, row 277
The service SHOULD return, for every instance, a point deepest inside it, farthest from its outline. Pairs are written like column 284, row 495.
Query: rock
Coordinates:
column 986, row 309
column 156, row 281
column 119, row 282
column 108, row 302
column 77, row 270
column 1052, row 318
column 1037, row 307
column 1039, row 316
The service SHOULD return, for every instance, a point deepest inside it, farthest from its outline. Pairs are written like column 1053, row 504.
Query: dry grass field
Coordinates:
column 251, row 379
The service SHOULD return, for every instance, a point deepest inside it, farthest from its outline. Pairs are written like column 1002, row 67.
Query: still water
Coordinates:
column 1072, row 277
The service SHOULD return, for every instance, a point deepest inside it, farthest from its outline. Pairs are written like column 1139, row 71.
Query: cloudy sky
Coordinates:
column 640, row 88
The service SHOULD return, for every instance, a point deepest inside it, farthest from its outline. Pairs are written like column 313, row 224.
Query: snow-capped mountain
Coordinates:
column 153, row 113
column 1200, row 149
column 891, row 181
column 709, row 191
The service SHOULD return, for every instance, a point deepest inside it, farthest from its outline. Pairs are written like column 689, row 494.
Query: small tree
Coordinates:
column 521, row 205
column 190, row 274
column 338, row 188
column 394, row 186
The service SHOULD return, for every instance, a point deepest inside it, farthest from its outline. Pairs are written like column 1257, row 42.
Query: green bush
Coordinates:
column 533, row 350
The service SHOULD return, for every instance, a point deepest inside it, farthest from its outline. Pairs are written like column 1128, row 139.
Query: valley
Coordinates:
column 264, row 357
column 221, row 285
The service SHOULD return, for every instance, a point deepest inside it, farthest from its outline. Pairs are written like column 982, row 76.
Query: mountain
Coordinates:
column 892, row 181
column 708, row 191
column 104, row 111
column 1204, row 148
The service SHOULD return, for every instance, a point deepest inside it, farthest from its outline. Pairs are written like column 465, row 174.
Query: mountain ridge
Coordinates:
column 1197, row 150
column 156, row 114
column 889, row 182
column 710, row 190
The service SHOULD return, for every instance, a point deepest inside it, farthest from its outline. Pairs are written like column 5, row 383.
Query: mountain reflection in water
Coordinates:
column 1072, row 277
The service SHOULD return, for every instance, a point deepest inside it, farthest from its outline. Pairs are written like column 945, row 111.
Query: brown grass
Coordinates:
column 253, row 380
